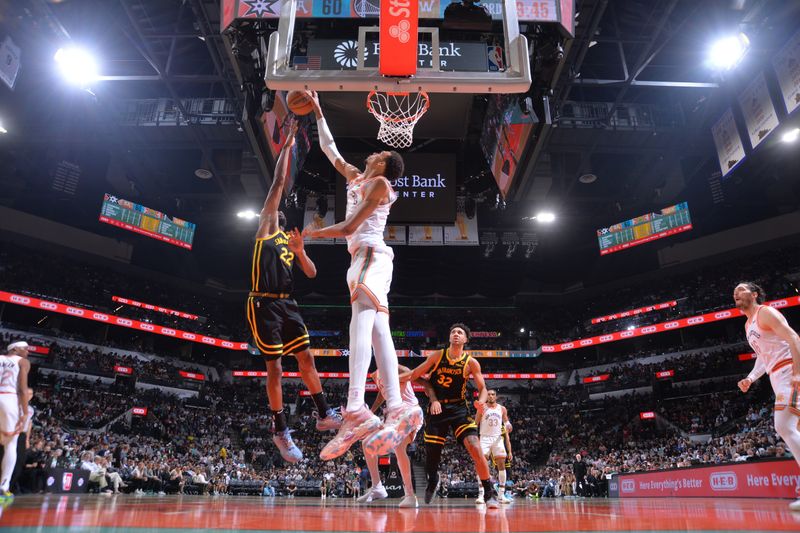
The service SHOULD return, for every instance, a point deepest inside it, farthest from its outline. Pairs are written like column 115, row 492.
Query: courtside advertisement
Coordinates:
column 763, row 479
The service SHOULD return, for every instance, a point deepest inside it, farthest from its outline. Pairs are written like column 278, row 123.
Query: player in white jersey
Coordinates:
column 377, row 490
column 369, row 198
column 14, row 369
column 777, row 348
column 493, row 426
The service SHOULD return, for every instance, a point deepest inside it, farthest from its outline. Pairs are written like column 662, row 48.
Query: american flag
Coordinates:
column 307, row 62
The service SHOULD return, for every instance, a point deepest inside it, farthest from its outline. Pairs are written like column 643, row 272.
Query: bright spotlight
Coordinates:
column 545, row 217
column 247, row 214
column 522, row 330
column 3, row 129
column 728, row 51
column 76, row 65
column 788, row 137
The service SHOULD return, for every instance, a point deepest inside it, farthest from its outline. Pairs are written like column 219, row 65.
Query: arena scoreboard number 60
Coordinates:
column 140, row 219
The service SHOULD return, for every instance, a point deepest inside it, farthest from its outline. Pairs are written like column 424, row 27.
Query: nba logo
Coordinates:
column 495, row 58
column 66, row 481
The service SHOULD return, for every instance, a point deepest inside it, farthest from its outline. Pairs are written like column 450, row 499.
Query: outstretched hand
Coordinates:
column 314, row 97
column 296, row 244
column 290, row 137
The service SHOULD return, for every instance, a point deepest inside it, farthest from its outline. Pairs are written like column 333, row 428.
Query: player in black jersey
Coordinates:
column 273, row 315
column 450, row 370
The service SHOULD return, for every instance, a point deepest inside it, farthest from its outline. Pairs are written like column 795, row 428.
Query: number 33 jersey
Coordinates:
column 271, row 270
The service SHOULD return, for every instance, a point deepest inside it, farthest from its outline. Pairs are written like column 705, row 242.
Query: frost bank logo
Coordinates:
column 723, row 481
column 346, row 54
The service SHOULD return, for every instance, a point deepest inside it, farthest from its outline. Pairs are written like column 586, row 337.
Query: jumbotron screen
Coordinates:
column 140, row 219
column 646, row 228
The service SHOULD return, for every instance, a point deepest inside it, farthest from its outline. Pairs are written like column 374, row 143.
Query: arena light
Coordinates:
column 545, row 217
column 76, row 65
column 788, row 137
column 728, row 51
column 247, row 214
column 2, row 128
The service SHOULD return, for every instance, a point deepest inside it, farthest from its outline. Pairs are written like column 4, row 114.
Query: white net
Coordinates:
column 398, row 113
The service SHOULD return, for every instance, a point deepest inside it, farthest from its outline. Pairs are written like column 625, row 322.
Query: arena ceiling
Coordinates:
column 641, row 55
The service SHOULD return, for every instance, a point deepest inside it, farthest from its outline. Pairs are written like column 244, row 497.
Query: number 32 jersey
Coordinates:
column 449, row 378
column 271, row 269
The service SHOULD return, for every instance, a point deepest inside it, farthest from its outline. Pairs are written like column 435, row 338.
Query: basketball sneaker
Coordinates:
column 409, row 501
column 377, row 492
column 285, row 444
column 492, row 503
column 479, row 500
column 331, row 422
column 355, row 426
column 433, row 486
column 505, row 499
column 794, row 506
column 400, row 422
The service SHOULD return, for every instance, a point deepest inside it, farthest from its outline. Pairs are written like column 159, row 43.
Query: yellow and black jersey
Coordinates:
column 271, row 270
column 449, row 378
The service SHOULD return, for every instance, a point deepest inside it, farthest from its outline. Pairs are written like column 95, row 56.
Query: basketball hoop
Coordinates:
column 398, row 113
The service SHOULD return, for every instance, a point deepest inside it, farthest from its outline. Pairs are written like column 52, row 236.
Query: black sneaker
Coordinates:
column 430, row 490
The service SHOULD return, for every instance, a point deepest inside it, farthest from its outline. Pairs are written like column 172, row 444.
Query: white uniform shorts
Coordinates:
column 493, row 446
column 370, row 273
column 785, row 394
column 9, row 415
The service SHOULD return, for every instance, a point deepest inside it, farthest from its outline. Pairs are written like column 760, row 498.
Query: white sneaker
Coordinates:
column 479, row 500
column 374, row 493
column 505, row 499
column 409, row 501
column 356, row 426
column 795, row 505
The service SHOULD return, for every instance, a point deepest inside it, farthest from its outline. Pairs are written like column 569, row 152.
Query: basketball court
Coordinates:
column 125, row 514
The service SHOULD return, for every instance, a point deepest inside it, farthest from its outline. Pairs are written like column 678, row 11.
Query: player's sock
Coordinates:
column 279, row 419
column 501, row 479
column 786, row 424
column 9, row 460
column 386, row 359
column 433, row 454
column 488, row 490
column 321, row 404
column 361, row 325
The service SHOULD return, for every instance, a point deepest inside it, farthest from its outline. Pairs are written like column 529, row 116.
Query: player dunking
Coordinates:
column 495, row 443
column 273, row 315
column 450, row 370
column 14, row 369
column 377, row 491
column 369, row 199
column 777, row 348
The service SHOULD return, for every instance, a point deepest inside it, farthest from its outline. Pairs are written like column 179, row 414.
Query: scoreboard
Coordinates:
column 140, row 219
column 669, row 221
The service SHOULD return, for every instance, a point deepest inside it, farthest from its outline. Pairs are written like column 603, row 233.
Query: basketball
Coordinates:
column 299, row 102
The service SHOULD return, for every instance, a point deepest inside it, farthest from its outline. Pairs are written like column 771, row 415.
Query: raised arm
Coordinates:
column 327, row 144
column 424, row 368
column 268, row 220
column 374, row 195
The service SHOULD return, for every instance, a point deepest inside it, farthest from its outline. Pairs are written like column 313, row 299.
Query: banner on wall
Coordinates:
column 634, row 312
column 758, row 110
column 730, row 149
column 761, row 479
column 463, row 233
column 394, row 235
column 787, row 67
column 311, row 218
column 425, row 236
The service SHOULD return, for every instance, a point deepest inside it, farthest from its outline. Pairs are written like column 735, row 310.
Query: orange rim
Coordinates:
column 411, row 118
